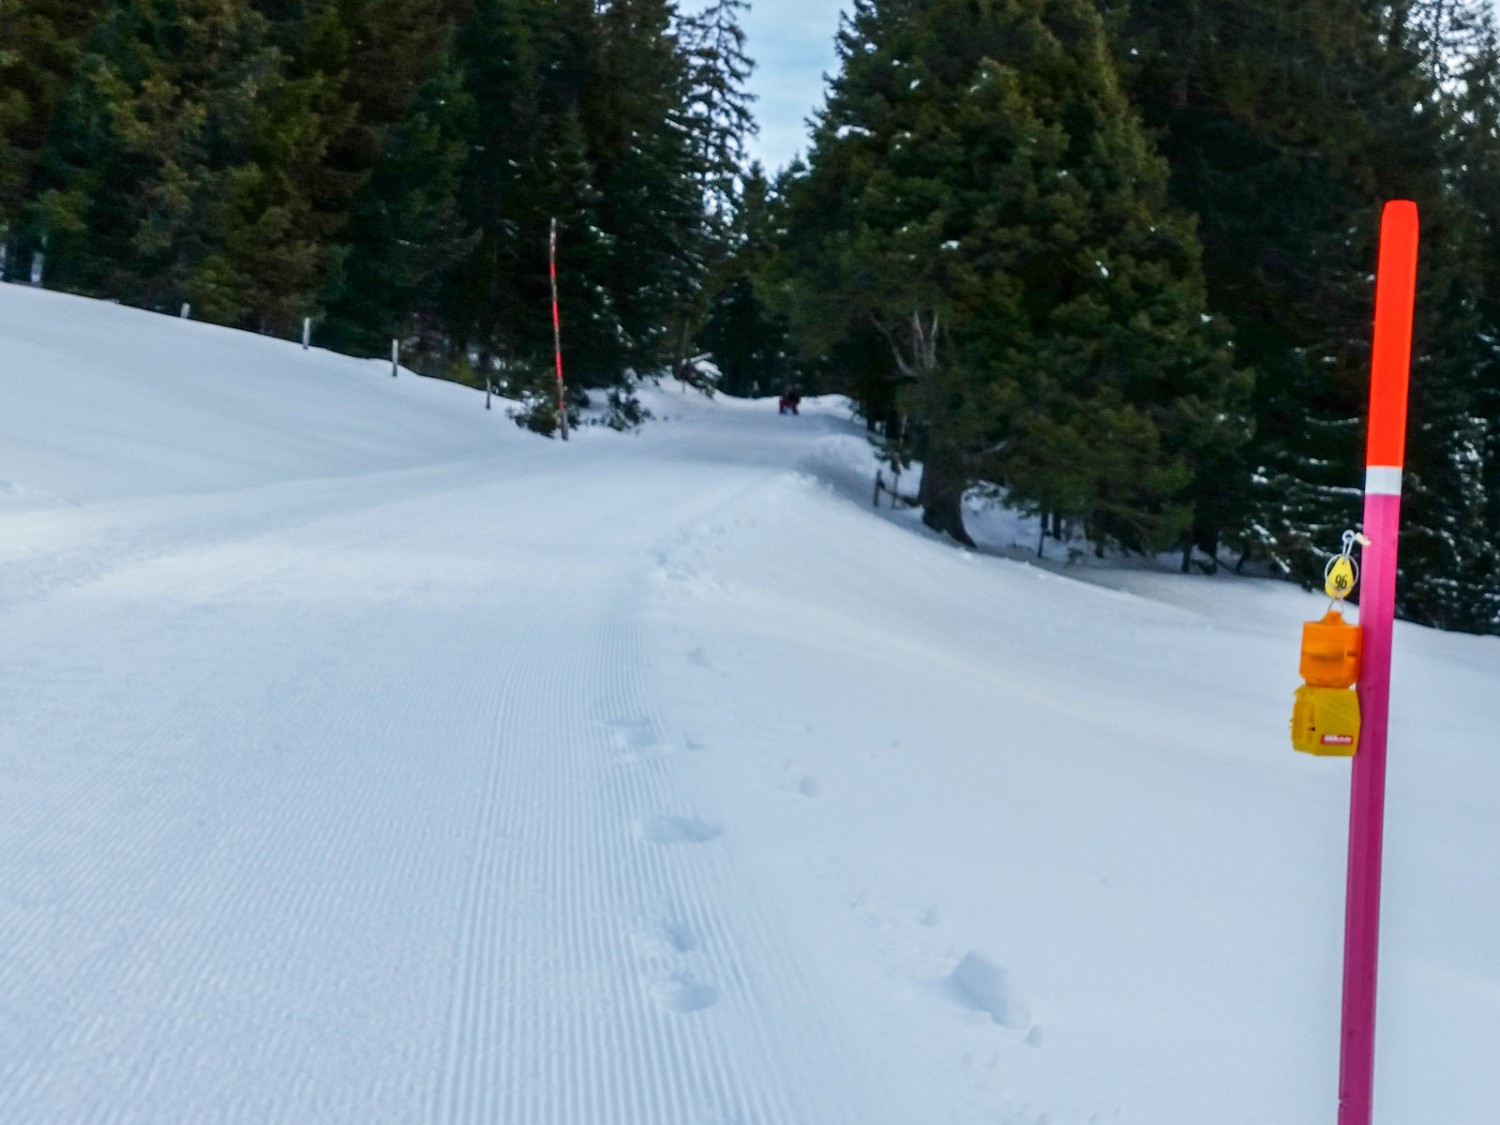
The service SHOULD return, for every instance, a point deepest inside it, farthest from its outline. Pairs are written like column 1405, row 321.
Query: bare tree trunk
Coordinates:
column 941, row 493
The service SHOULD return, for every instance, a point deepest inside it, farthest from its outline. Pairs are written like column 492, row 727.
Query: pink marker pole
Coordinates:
column 1395, row 295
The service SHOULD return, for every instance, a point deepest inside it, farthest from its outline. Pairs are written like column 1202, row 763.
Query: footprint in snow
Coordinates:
column 635, row 740
column 682, row 993
column 677, row 830
column 632, row 734
column 665, row 939
column 979, row 983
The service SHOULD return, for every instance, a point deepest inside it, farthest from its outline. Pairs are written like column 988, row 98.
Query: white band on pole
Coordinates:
column 1383, row 480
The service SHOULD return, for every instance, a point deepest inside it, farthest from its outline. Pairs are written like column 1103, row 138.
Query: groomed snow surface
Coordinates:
column 364, row 758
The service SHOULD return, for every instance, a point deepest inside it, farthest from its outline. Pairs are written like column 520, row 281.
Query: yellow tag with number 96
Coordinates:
column 1339, row 581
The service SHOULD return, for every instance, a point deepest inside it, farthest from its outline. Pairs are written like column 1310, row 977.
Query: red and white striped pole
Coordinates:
column 562, row 397
column 1395, row 296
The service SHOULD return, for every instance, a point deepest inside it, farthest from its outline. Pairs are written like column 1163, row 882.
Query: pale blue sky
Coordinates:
column 791, row 42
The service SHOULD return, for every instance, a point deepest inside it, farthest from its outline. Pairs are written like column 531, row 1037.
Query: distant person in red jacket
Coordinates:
column 789, row 400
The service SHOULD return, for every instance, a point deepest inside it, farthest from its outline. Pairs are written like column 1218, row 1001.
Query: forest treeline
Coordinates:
column 389, row 168
column 1110, row 257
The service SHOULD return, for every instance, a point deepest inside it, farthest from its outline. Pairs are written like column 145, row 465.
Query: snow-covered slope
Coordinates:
column 103, row 402
column 363, row 758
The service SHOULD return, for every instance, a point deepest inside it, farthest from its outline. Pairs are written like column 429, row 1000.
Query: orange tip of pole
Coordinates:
column 1390, row 361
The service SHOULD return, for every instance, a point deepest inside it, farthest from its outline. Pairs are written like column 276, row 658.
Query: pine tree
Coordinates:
column 1286, row 125
column 1449, row 575
column 278, row 240
column 405, row 234
column 40, row 45
column 717, row 113
column 642, row 144
column 749, row 341
column 594, row 341
column 980, row 193
column 717, row 102
column 151, row 153
column 580, row 115
column 527, row 66
column 367, row 60
column 498, row 52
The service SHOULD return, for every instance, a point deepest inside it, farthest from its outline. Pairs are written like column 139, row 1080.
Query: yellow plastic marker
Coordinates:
column 1325, row 721
column 1325, row 715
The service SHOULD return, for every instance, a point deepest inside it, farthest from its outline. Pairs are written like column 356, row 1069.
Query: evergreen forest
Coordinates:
column 1109, row 261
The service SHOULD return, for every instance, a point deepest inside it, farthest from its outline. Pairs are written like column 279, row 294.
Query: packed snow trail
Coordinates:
column 350, row 800
column 376, row 818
